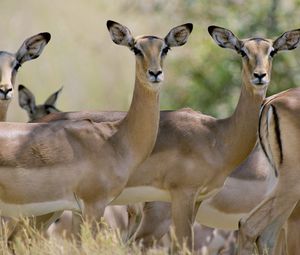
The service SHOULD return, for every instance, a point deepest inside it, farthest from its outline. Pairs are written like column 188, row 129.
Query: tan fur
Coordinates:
column 85, row 164
column 194, row 153
column 264, row 223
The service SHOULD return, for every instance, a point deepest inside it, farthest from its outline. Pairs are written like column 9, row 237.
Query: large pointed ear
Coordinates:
column 225, row 38
column 32, row 47
column 51, row 100
column 26, row 99
column 179, row 35
column 287, row 41
column 120, row 34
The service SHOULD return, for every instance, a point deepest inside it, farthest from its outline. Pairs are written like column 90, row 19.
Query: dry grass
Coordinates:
column 107, row 241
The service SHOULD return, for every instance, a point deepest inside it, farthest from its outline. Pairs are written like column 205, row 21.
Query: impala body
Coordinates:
column 83, row 165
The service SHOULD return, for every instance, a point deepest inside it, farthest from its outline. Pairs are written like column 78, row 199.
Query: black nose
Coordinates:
column 259, row 75
column 5, row 92
column 155, row 74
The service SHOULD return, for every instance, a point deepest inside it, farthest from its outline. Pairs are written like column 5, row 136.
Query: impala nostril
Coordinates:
column 259, row 75
column 151, row 73
column 155, row 74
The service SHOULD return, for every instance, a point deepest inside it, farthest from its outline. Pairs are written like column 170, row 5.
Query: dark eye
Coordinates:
column 17, row 66
column 137, row 51
column 243, row 53
column 165, row 51
column 273, row 53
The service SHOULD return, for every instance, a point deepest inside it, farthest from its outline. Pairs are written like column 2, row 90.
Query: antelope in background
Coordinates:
column 34, row 111
column 83, row 165
column 194, row 153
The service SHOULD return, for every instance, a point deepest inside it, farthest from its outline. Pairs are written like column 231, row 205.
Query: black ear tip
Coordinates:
column 189, row 26
column 109, row 23
column 211, row 29
column 46, row 36
column 20, row 87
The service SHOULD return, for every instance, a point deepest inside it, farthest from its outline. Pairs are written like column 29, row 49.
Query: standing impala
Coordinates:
column 194, row 153
column 83, row 165
column 278, row 131
column 11, row 62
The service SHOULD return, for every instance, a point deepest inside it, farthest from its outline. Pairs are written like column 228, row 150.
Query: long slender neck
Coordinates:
column 3, row 109
column 138, row 131
column 238, row 133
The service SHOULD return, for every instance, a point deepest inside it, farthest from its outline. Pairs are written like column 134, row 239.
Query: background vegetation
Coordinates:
column 98, row 75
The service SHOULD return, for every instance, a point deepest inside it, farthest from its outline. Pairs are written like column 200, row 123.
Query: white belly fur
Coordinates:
column 211, row 217
column 35, row 209
column 141, row 194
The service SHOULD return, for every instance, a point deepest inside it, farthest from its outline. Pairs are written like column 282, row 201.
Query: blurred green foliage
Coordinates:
column 97, row 74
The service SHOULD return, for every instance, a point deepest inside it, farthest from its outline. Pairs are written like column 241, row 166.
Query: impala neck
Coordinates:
column 3, row 109
column 239, row 132
column 138, row 130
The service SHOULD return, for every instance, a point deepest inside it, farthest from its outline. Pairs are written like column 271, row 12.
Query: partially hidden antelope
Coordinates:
column 28, row 103
column 83, row 165
column 194, row 153
column 10, row 63
column 278, row 130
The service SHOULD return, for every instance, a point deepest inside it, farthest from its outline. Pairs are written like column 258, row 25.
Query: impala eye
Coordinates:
column 273, row 53
column 17, row 66
column 137, row 51
column 165, row 51
column 243, row 53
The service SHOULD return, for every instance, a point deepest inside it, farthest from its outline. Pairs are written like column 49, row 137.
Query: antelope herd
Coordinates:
column 178, row 167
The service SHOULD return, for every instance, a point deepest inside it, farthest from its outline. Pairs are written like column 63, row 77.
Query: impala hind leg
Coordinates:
column 272, row 211
column 269, row 238
column 155, row 223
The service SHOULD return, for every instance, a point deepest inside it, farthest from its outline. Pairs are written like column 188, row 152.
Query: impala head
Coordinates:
column 150, row 51
column 10, row 63
column 27, row 102
column 257, row 53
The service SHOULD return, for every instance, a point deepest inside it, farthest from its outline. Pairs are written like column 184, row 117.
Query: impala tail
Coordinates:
column 270, row 135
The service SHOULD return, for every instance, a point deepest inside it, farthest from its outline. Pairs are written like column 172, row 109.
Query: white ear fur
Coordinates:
column 32, row 47
column 26, row 99
column 224, row 38
column 179, row 35
column 120, row 34
column 287, row 41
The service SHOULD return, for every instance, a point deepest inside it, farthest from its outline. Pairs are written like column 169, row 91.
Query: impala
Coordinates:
column 27, row 102
column 31, row 48
column 278, row 130
column 115, row 216
column 83, row 165
column 194, row 153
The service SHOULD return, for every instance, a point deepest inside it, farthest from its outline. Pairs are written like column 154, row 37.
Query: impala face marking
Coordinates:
column 150, row 51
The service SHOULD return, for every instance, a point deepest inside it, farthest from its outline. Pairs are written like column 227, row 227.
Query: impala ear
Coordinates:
column 179, row 35
column 32, row 47
column 120, row 34
column 287, row 41
column 51, row 100
column 225, row 38
column 26, row 99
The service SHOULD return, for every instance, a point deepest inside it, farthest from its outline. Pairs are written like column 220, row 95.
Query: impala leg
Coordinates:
column 272, row 211
column 269, row 238
column 93, row 214
column 183, row 206
column 155, row 223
